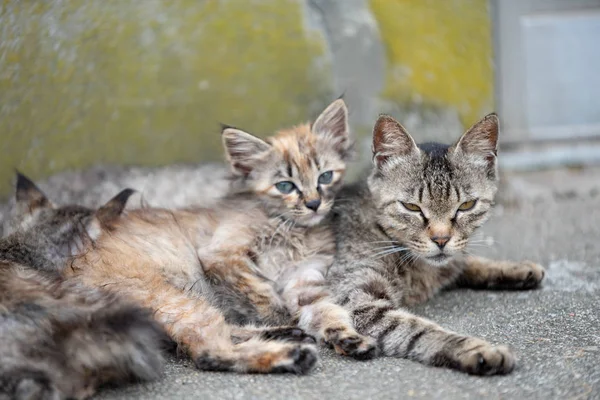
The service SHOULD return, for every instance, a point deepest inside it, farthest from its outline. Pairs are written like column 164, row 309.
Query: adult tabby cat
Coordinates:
column 401, row 238
column 61, row 339
column 259, row 257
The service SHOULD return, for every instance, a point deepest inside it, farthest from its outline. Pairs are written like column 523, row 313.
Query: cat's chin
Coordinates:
column 311, row 220
column 439, row 260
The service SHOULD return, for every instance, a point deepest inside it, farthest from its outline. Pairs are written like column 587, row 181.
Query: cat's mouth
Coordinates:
column 440, row 258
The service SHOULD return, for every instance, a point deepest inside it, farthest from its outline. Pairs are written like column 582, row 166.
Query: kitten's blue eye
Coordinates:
column 326, row 177
column 285, row 187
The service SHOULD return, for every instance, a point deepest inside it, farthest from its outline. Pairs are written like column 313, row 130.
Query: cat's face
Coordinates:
column 297, row 172
column 432, row 197
column 60, row 231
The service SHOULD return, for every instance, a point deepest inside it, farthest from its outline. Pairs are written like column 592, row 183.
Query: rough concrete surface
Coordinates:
column 552, row 218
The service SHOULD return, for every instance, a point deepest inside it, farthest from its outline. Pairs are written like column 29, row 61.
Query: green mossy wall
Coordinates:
column 147, row 82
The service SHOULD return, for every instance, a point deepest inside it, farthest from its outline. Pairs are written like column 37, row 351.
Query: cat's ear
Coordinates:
column 332, row 125
column 480, row 142
column 243, row 150
column 390, row 139
column 29, row 197
column 112, row 210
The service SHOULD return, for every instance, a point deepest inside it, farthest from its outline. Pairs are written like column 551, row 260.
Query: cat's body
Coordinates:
column 258, row 257
column 401, row 238
column 61, row 339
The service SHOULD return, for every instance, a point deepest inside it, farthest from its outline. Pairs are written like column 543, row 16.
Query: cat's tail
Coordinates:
column 118, row 343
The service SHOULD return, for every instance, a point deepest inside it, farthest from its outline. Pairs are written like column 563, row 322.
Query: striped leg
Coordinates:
column 483, row 273
column 401, row 334
column 307, row 295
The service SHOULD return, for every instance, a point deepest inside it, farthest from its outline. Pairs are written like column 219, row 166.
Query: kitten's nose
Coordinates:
column 440, row 240
column 313, row 204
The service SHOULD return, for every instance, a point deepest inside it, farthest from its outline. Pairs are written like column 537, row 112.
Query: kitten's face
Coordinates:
column 297, row 172
column 433, row 197
column 60, row 231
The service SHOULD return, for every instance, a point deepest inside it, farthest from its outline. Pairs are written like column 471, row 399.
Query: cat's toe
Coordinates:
column 357, row 346
column 301, row 360
column 491, row 360
column 533, row 274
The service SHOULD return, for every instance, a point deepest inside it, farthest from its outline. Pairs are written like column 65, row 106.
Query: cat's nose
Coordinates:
column 440, row 240
column 313, row 204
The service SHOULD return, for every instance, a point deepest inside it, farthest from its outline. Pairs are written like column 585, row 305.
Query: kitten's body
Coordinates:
column 401, row 237
column 258, row 257
column 61, row 339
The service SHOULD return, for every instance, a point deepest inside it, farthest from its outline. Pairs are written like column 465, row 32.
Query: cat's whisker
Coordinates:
column 387, row 252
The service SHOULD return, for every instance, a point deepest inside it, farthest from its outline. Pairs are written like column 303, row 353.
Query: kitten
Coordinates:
column 61, row 339
column 401, row 238
column 259, row 257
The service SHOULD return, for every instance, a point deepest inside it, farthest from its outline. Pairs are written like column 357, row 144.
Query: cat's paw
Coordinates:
column 354, row 345
column 523, row 275
column 300, row 360
column 287, row 334
column 488, row 360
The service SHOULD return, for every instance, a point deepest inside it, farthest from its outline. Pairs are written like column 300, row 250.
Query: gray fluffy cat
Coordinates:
column 401, row 238
column 59, row 338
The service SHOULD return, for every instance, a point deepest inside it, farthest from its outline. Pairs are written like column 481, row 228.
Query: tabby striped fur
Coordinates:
column 401, row 238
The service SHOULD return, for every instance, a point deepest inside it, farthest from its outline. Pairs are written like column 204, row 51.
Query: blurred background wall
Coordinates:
column 147, row 82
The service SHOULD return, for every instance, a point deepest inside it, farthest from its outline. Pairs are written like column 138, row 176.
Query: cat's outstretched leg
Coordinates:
column 201, row 330
column 402, row 334
column 308, row 296
column 482, row 273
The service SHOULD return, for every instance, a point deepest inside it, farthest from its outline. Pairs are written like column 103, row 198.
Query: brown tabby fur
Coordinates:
column 61, row 339
column 259, row 257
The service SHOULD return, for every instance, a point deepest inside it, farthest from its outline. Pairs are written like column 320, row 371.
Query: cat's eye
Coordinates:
column 326, row 178
column 411, row 207
column 285, row 187
column 467, row 205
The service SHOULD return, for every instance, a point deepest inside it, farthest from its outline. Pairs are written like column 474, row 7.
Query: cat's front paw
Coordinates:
column 488, row 360
column 523, row 275
column 287, row 334
column 354, row 345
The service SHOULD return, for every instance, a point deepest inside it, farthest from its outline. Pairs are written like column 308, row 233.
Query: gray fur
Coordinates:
column 61, row 339
column 387, row 258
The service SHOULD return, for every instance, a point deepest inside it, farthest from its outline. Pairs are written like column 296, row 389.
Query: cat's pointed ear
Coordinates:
column 112, row 210
column 390, row 139
column 243, row 150
column 333, row 126
column 480, row 142
column 28, row 196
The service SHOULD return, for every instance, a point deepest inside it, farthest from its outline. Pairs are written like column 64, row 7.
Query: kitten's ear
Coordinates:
column 480, row 142
column 29, row 197
column 332, row 125
column 243, row 150
column 109, row 212
column 390, row 139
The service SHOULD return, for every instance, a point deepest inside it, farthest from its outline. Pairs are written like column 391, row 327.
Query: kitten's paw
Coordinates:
column 488, row 360
column 524, row 275
column 255, row 356
column 300, row 360
column 288, row 334
column 353, row 345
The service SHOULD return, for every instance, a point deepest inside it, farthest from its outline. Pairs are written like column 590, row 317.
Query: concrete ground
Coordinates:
column 552, row 218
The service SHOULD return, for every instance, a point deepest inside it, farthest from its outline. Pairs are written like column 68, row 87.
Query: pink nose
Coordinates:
column 440, row 240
